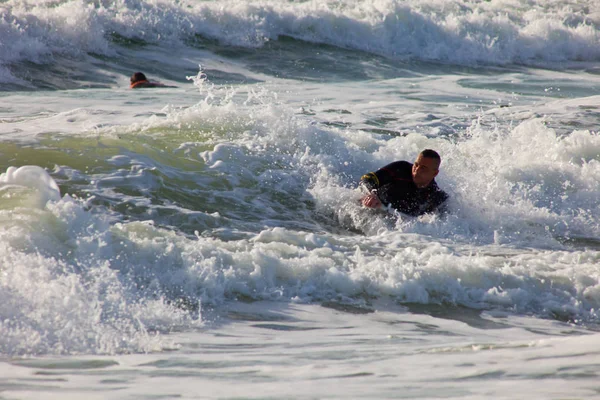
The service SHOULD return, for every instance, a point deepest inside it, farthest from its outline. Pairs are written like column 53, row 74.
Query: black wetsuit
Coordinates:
column 394, row 186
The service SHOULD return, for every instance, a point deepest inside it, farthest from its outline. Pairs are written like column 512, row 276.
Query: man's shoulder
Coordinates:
column 398, row 166
column 398, row 171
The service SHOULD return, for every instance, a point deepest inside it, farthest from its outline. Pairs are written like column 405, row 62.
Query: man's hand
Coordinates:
column 371, row 200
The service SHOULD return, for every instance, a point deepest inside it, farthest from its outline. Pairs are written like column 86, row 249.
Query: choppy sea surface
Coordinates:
column 205, row 240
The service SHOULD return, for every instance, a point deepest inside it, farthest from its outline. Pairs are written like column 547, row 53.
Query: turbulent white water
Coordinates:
column 457, row 32
column 159, row 242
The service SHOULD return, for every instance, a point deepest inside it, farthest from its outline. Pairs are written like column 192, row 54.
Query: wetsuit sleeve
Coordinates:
column 375, row 180
column 369, row 181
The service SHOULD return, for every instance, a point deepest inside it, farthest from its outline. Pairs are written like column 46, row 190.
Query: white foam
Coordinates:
column 65, row 289
column 32, row 177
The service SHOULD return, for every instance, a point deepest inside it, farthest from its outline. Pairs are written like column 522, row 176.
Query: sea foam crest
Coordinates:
column 462, row 32
column 69, row 285
column 32, row 177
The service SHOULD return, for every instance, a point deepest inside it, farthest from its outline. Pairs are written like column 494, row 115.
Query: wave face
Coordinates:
column 243, row 199
column 455, row 32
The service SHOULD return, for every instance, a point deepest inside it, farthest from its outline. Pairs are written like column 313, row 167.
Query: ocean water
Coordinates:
column 205, row 240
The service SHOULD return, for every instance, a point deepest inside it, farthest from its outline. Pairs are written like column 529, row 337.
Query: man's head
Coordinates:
column 426, row 167
column 138, row 77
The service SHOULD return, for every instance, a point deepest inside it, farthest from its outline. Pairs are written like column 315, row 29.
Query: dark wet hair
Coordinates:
column 428, row 153
column 431, row 154
column 138, row 76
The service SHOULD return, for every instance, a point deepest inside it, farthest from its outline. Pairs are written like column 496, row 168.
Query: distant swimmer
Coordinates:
column 409, row 188
column 139, row 81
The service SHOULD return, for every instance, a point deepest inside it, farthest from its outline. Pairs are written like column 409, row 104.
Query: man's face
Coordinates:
column 424, row 170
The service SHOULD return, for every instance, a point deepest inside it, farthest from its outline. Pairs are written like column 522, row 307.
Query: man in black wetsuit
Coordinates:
column 409, row 188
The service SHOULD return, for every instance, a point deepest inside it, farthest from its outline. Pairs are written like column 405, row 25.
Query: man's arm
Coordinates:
column 438, row 203
column 369, row 181
column 383, row 176
column 372, row 181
